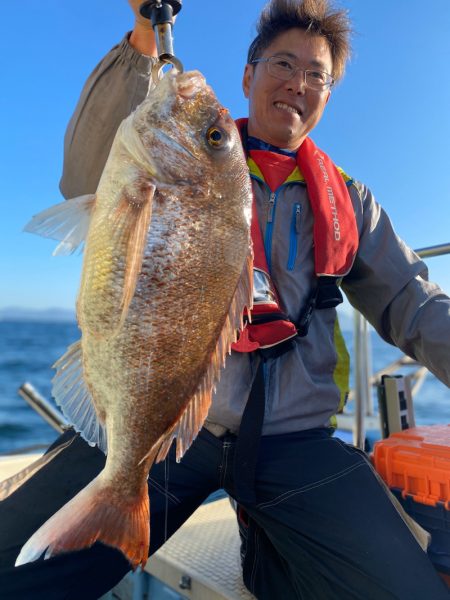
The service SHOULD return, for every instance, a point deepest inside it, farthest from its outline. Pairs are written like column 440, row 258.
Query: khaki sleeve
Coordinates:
column 113, row 90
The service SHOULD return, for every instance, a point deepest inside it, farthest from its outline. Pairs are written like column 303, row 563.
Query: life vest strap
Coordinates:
column 277, row 350
column 267, row 318
column 326, row 295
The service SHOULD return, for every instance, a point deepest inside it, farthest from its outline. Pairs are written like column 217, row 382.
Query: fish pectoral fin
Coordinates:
column 97, row 513
column 192, row 418
column 13, row 483
column 133, row 215
column 72, row 395
column 67, row 222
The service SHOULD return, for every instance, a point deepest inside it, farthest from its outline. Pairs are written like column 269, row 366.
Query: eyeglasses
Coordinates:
column 284, row 69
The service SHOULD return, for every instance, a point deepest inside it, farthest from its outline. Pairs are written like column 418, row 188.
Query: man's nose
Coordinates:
column 297, row 83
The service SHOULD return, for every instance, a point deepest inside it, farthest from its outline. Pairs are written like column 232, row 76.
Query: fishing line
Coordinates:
column 166, row 489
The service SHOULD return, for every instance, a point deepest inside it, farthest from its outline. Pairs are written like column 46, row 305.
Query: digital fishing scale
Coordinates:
column 161, row 14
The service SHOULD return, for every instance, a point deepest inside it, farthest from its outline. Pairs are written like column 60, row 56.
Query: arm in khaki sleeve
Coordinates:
column 389, row 285
column 116, row 86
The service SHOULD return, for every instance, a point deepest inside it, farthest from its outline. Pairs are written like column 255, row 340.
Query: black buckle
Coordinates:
column 326, row 295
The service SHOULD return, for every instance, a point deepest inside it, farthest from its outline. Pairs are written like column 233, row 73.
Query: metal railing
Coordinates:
column 43, row 407
column 364, row 379
column 431, row 251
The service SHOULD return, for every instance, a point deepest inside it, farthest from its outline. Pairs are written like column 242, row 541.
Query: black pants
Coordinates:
column 322, row 527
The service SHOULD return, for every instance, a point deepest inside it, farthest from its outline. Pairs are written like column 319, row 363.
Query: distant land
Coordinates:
column 46, row 315
column 64, row 315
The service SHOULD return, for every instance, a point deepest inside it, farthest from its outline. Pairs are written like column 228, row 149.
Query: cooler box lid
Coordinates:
column 417, row 461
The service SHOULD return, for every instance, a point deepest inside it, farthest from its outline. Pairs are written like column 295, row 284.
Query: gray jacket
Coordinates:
column 387, row 284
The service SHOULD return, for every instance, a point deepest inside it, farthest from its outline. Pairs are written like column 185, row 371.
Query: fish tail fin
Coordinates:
column 96, row 513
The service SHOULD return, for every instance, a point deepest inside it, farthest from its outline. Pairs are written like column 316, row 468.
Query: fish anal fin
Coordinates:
column 195, row 413
column 95, row 514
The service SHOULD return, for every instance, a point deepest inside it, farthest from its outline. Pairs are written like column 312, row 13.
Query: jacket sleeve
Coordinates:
column 389, row 285
column 113, row 90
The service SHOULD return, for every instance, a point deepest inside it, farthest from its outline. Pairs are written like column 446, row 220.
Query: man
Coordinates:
column 316, row 522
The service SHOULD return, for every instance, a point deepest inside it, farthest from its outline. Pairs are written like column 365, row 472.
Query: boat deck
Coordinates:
column 204, row 552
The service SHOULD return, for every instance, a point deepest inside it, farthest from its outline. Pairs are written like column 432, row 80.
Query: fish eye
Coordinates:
column 216, row 137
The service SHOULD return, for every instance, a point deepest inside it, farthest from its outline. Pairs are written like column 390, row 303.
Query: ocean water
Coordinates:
column 28, row 350
column 27, row 353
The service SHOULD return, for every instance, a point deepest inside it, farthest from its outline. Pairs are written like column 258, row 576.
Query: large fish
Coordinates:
column 166, row 277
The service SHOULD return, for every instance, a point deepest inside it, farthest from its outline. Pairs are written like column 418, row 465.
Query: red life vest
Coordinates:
column 335, row 244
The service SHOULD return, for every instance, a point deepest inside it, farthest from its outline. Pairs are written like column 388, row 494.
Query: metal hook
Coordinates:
column 157, row 69
column 161, row 13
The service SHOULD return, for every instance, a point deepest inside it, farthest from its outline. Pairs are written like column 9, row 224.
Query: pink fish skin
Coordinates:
column 166, row 277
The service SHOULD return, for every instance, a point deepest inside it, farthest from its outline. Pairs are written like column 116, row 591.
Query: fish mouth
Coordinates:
column 190, row 83
column 288, row 107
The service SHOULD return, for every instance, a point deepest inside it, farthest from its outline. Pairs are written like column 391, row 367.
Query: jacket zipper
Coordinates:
column 269, row 228
column 294, row 231
column 270, row 217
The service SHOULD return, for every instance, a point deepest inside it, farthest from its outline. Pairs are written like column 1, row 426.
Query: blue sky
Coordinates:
column 387, row 123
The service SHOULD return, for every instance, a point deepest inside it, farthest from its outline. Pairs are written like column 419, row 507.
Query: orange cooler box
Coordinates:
column 415, row 463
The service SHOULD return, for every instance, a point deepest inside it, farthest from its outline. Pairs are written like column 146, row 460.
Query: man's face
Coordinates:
column 271, row 100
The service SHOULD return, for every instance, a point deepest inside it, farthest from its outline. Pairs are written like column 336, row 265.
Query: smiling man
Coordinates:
column 288, row 86
column 315, row 522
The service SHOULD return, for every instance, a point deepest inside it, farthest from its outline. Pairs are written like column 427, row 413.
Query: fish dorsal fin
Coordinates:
column 67, row 222
column 194, row 415
column 127, row 225
column 72, row 395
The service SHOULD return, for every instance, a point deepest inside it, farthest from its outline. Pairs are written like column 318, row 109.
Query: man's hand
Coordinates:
column 135, row 5
column 142, row 37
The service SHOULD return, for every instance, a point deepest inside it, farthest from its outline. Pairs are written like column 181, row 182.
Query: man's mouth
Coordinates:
column 288, row 107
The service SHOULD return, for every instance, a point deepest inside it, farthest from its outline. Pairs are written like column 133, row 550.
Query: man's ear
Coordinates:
column 328, row 97
column 247, row 79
